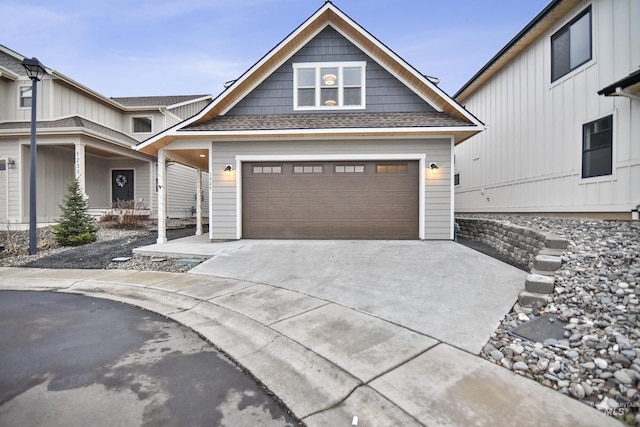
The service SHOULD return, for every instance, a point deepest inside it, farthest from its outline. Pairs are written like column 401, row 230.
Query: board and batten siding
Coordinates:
column 10, row 182
column 189, row 110
column 182, row 191
column 384, row 93
column 530, row 157
column 438, row 213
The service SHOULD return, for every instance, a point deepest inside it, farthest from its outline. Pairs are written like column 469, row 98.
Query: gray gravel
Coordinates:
column 596, row 292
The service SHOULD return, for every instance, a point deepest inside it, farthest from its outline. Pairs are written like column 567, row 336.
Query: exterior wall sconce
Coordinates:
column 227, row 170
column 434, row 167
column 12, row 163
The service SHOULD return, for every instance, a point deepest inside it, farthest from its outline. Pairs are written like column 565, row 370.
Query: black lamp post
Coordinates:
column 35, row 71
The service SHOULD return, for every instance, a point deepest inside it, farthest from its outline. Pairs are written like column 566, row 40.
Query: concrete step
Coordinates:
column 551, row 252
column 552, row 241
column 532, row 299
column 539, row 284
column 520, row 309
column 547, row 262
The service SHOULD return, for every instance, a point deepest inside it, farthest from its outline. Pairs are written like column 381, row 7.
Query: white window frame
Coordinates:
column 340, row 66
column 133, row 118
column 20, row 97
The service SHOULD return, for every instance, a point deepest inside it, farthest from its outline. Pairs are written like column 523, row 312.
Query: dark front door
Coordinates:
column 121, row 185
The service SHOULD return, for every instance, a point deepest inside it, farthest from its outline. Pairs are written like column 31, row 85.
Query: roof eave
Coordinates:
column 548, row 17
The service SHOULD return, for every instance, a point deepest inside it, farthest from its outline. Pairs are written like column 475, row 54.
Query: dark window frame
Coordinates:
column 558, row 74
column 591, row 155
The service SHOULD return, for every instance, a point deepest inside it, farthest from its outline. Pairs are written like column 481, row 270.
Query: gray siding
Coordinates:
column 10, row 180
column 182, row 191
column 186, row 111
column 141, row 179
column 438, row 218
column 384, row 92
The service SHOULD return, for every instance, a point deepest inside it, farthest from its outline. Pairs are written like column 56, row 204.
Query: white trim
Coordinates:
column 190, row 101
column 420, row 157
column 289, row 39
column 452, row 188
column 419, row 131
column 614, row 146
column 8, row 74
column 340, row 87
column 20, row 97
column 549, row 45
column 133, row 132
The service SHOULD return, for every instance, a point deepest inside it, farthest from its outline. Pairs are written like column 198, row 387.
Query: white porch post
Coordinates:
column 80, row 167
column 162, row 197
column 210, row 190
column 199, row 202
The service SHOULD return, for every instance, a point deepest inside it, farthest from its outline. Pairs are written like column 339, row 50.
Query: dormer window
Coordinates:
column 319, row 86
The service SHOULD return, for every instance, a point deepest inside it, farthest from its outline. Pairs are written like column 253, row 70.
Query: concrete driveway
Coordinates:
column 438, row 288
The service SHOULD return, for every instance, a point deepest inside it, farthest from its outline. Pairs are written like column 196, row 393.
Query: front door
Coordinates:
column 121, row 185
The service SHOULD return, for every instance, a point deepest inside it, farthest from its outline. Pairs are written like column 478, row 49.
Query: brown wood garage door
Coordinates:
column 330, row 200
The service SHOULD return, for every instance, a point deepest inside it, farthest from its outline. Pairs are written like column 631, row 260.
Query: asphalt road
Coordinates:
column 69, row 360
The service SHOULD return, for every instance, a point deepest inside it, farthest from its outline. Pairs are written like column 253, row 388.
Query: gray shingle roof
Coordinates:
column 151, row 101
column 73, row 122
column 342, row 120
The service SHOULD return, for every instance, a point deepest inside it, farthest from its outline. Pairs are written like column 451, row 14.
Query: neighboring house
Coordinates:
column 561, row 106
column 80, row 134
column 329, row 135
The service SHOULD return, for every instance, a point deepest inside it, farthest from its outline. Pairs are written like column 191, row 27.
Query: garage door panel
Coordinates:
column 337, row 203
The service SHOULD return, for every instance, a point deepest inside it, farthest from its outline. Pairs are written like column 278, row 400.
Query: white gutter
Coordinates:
column 620, row 92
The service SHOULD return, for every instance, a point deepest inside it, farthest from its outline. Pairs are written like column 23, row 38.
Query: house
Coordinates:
column 329, row 135
column 81, row 134
column 561, row 106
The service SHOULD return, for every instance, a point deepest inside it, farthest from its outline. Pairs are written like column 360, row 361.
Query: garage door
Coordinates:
column 330, row 200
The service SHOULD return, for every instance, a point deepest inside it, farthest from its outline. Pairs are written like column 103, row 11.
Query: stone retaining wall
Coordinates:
column 520, row 244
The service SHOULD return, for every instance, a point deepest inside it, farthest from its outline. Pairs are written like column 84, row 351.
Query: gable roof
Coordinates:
column 327, row 15
column 548, row 17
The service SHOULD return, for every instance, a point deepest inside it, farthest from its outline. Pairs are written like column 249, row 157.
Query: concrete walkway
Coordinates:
column 329, row 361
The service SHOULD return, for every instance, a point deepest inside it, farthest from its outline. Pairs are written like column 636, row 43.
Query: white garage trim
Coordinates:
column 331, row 157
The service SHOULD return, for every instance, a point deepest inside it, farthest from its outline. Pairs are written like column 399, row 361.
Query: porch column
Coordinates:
column 162, row 198
column 199, row 202
column 80, row 167
column 210, row 190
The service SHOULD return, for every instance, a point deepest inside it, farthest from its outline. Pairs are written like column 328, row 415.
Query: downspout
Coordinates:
column 635, row 213
column 620, row 92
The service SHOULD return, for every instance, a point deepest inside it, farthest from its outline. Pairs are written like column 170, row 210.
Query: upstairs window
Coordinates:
column 329, row 85
column 25, row 96
column 571, row 45
column 141, row 124
column 597, row 147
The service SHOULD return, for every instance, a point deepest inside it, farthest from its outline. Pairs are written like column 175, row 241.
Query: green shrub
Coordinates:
column 75, row 226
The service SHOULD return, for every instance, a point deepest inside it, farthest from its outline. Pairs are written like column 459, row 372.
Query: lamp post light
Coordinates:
column 35, row 71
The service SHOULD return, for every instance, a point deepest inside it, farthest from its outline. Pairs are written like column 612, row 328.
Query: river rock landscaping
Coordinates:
column 596, row 294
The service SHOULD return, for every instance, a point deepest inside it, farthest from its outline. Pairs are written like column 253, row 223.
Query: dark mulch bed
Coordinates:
column 98, row 255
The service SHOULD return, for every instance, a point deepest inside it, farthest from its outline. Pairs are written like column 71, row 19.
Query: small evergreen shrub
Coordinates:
column 75, row 226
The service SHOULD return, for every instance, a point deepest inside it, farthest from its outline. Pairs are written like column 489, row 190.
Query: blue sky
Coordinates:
column 178, row 47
